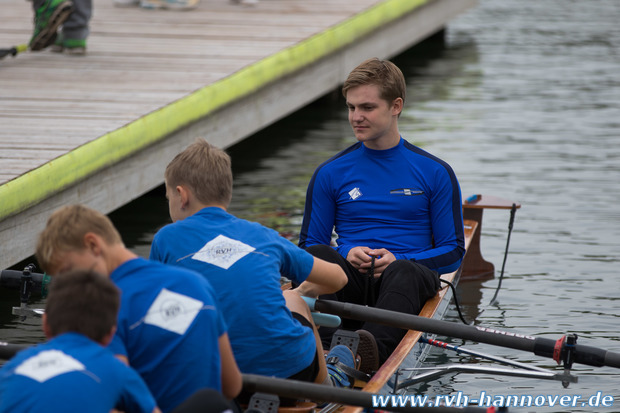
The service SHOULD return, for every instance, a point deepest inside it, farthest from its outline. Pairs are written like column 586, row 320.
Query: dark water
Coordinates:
column 523, row 100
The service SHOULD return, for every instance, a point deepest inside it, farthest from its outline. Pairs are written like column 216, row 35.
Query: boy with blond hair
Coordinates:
column 169, row 326
column 271, row 332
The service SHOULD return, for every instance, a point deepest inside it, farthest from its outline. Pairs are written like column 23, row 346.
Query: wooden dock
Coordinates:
column 100, row 129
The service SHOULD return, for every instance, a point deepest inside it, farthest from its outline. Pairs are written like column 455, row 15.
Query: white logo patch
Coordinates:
column 48, row 364
column 173, row 311
column 355, row 193
column 223, row 252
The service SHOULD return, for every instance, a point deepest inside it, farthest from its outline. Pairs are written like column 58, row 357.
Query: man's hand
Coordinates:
column 361, row 258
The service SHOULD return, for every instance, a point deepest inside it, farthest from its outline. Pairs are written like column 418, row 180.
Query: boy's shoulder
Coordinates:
column 67, row 352
column 170, row 271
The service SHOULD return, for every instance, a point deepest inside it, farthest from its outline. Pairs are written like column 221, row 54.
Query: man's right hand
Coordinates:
column 358, row 256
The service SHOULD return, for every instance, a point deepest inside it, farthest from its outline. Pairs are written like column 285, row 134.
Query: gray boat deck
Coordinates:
column 100, row 129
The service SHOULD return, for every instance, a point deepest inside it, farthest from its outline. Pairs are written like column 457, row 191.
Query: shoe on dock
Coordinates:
column 75, row 47
column 47, row 19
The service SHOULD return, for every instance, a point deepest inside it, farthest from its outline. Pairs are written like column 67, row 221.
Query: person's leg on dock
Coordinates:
column 75, row 30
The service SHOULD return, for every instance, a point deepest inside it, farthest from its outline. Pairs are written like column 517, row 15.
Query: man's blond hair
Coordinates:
column 382, row 73
column 205, row 170
column 65, row 231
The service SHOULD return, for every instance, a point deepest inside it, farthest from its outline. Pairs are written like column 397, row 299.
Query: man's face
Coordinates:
column 374, row 120
column 78, row 260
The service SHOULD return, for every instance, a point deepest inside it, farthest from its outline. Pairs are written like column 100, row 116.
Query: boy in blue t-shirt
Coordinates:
column 170, row 328
column 73, row 372
column 271, row 332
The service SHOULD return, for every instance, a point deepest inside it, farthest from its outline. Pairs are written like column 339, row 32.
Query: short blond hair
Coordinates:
column 382, row 73
column 65, row 231
column 205, row 170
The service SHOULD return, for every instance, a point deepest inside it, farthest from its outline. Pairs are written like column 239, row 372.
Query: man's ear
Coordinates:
column 397, row 106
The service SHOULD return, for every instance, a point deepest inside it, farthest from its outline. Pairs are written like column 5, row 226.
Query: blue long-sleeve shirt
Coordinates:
column 402, row 199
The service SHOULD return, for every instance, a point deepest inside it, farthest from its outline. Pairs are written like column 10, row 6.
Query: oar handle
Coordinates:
column 321, row 319
column 311, row 302
column 326, row 320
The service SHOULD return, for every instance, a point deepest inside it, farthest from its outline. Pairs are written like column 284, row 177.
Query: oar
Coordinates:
column 13, row 50
column 326, row 320
column 8, row 350
column 556, row 349
column 12, row 279
column 253, row 383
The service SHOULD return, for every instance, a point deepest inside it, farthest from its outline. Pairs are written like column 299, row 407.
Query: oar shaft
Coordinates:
column 413, row 322
column 8, row 350
column 540, row 346
column 320, row 392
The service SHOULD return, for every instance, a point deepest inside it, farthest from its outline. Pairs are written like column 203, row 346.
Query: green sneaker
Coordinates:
column 69, row 46
column 57, row 47
column 47, row 19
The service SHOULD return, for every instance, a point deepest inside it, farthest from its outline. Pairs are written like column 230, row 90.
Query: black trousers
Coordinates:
column 404, row 286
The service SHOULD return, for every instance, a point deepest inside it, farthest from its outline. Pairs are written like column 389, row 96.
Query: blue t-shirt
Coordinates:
column 71, row 373
column 169, row 325
column 243, row 261
column 402, row 199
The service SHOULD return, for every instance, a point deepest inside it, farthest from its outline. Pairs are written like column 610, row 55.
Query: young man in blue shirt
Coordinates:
column 395, row 208
column 170, row 328
column 271, row 332
column 73, row 372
